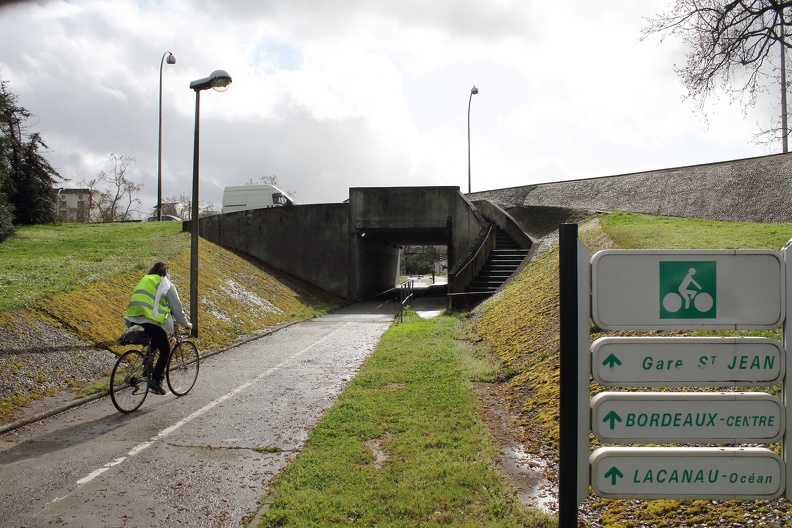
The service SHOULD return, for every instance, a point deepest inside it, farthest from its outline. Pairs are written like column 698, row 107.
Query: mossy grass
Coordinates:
column 521, row 327
column 404, row 445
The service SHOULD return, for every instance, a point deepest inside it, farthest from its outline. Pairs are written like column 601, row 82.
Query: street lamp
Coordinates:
column 171, row 60
column 473, row 91
column 219, row 81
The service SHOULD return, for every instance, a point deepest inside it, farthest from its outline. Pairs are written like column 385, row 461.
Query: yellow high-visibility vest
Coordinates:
column 142, row 301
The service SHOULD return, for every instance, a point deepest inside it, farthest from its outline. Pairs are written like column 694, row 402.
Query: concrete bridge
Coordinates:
column 352, row 249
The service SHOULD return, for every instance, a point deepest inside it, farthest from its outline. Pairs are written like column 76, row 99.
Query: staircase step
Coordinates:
column 503, row 274
column 500, row 258
column 503, row 261
column 498, row 268
column 482, row 287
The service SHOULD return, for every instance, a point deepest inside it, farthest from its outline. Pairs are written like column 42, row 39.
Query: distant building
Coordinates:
column 74, row 205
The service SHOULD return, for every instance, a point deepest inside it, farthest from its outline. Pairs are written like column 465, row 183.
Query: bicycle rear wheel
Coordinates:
column 183, row 367
column 128, row 384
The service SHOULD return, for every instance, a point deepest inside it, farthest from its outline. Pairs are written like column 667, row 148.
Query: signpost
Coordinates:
column 687, row 361
column 718, row 418
column 686, row 473
column 677, row 290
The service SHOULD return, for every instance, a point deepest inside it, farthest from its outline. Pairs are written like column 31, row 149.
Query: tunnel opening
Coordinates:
column 388, row 257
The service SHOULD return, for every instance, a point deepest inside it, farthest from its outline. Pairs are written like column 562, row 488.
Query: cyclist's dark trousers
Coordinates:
column 159, row 341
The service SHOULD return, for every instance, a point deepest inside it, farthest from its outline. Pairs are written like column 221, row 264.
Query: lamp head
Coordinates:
column 171, row 58
column 473, row 91
column 218, row 81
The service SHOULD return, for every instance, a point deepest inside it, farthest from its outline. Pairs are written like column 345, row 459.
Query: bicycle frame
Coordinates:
column 132, row 374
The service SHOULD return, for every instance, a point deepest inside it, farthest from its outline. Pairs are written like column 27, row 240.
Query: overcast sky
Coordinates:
column 332, row 94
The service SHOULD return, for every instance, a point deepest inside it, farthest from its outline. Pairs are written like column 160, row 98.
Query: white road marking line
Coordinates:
column 203, row 410
column 95, row 473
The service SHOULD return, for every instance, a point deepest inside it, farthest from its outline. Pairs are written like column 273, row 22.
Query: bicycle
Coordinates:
column 131, row 376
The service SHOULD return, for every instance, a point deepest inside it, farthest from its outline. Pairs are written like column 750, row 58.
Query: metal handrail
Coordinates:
column 406, row 295
column 474, row 258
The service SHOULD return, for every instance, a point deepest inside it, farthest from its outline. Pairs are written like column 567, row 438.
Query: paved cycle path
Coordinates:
column 201, row 460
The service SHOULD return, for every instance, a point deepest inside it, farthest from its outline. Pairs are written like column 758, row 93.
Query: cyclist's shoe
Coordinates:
column 156, row 387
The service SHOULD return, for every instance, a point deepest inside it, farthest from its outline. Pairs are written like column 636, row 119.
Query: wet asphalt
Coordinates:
column 204, row 459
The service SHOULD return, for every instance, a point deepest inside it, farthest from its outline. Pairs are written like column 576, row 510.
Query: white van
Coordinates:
column 244, row 197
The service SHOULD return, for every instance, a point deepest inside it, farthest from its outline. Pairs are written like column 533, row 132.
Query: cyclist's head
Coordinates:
column 159, row 268
column 692, row 271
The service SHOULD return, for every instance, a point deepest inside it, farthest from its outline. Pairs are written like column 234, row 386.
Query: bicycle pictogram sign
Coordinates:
column 688, row 289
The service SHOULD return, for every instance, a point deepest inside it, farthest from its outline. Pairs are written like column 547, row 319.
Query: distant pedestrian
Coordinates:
column 154, row 305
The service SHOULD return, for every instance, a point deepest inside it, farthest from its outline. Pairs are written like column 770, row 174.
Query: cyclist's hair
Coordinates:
column 159, row 268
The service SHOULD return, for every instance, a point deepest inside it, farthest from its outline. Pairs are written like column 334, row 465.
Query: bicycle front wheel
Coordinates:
column 128, row 383
column 183, row 367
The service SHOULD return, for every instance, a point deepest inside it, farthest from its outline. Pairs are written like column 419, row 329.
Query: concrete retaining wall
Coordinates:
column 308, row 241
column 750, row 190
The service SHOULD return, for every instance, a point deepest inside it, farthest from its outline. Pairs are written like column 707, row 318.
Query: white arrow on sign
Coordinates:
column 687, row 361
column 726, row 417
column 686, row 473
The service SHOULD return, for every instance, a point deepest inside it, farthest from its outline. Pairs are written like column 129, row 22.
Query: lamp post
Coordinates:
column 171, row 60
column 473, row 91
column 219, row 81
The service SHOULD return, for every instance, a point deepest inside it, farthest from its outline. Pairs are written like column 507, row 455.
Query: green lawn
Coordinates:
column 634, row 231
column 42, row 260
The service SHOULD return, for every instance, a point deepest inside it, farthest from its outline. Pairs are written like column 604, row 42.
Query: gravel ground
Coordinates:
column 37, row 357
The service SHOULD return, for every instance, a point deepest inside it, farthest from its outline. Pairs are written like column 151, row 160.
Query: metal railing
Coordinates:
column 463, row 272
column 406, row 296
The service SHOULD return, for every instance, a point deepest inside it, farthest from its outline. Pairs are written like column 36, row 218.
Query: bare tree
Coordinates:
column 113, row 193
column 270, row 180
column 738, row 46
column 183, row 207
column 208, row 209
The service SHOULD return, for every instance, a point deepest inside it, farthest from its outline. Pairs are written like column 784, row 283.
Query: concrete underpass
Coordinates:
column 353, row 249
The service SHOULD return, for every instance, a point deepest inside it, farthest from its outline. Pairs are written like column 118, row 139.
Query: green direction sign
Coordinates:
column 687, row 361
column 688, row 289
column 730, row 417
column 687, row 473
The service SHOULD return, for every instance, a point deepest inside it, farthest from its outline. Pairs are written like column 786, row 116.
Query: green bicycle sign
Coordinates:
column 688, row 289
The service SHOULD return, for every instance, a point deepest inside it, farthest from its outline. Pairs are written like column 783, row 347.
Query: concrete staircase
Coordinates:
column 502, row 263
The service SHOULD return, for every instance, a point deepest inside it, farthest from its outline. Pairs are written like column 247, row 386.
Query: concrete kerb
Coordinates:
column 72, row 404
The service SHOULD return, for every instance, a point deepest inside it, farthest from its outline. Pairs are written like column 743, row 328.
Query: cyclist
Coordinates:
column 154, row 305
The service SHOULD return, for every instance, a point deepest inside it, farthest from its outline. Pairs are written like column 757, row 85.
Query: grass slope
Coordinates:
column 84, row 275
column 521, row 327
